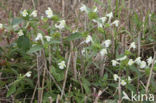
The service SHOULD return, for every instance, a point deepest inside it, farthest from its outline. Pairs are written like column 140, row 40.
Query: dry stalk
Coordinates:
column 139, row 44
column 119, row 91
column 74, row 64
column 34, row 93
column 63, row 8
column 44, row 73
column 38, row 77
column 58, row 98
column 51, row 76
column 33, row 2
column 65, row 77
column 151, row 70
column 99, row 94
column 50, row 59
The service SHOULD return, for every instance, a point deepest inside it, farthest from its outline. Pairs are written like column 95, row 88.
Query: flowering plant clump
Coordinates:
column 53, row 60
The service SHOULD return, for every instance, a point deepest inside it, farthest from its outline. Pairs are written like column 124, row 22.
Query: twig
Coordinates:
column 38, row 77
column 44, row 73
column 58, row 98
column 74, row 58
column 63, row 8
column 142, row 84
column 34, row 93
column 119, row 91
column 33, row 4
column 65, row 78
column 51, row 76
column 139, row 44
column 149, row 78
column 99, row 94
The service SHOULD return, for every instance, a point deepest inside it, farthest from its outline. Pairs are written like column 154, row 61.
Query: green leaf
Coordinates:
column 74, row 36
column 55, row 18
column 134, row 69
column 23, row 43
column 54, row 42
column 92, row 15
column 16, row 21
column 86, row 85
column 12, row 90
column 34, row 49
column 58, row 75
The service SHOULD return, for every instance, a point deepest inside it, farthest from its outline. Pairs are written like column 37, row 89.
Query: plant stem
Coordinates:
column 66, row 74
column 151, row 71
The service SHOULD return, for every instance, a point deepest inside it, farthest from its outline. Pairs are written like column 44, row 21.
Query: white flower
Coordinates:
column 123, row 83
column 149, row 61
column 142, row 64
column 122, row 58
column 103, row 52
column 20, row 33
column 74, row 31
column 98, row 22
column 116, row 77
column 138, row 60
column 48, row 38
column 39, row 37
column 83, row 51
column 114, row 62
column 95, row 9
column 1, row 26
column 84, row 8
column 24, row 13
column 62, row 65
column 107, row 43
column 129, row 79
column 88, row 39
column 61, row 25
column 49, row 12
column 110, row 15
column 28, row 74
column 132, row 45
column 34, row 13
column 130, row 62
column 116, row 23
column 103, row 19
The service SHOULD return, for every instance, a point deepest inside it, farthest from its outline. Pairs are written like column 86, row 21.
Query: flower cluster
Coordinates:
column 141, row 64
column 40, row 37
column 106, row 44
column 61, row 24
column 122, row 81
column 102, row 20
column 138, row 61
